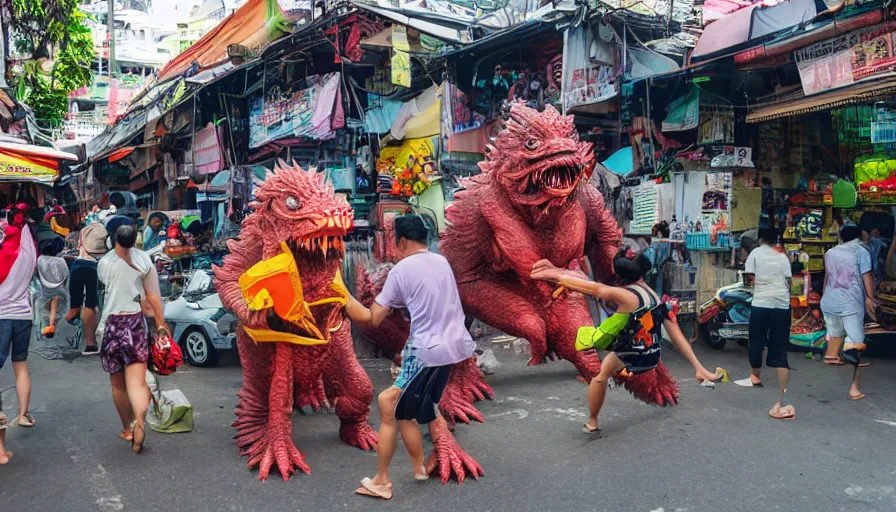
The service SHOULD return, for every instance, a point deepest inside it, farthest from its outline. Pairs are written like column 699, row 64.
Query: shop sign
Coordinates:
column 15, row 167
column 847, row 59
column 279, row 114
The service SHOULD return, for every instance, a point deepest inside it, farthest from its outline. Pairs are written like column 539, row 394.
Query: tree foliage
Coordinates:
column 50, row 31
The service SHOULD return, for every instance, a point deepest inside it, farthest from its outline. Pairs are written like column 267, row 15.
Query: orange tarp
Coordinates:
column 255, row 23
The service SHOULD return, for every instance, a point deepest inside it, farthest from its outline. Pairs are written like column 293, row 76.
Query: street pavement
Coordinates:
column 716, row 451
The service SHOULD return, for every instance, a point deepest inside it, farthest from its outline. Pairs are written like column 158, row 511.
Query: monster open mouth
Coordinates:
column 327, row 242
column 557, row 178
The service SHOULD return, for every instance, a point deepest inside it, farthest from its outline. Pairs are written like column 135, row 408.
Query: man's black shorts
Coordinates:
column 84, row 284
column 419, row 399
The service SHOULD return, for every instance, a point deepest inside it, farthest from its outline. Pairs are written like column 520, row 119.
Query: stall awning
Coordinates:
column 24, row 162
column 858, row 93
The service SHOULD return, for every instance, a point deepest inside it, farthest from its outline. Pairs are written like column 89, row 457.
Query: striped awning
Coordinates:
column 851, row 95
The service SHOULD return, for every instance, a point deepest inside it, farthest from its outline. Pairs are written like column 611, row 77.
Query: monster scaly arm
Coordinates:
column 514, row 240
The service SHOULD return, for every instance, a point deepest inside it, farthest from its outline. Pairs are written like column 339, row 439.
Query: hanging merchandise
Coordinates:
column 716, row 125
column 208, row 154
column 645, row 210
column 684, row 113
column 589, row 74
column 401, row 59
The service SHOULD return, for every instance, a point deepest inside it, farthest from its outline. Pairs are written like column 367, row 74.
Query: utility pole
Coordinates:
column 110, row 31
column 4, row 52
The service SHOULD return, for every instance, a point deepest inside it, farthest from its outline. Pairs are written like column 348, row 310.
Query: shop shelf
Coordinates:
column 697, row 241
column 883, row 133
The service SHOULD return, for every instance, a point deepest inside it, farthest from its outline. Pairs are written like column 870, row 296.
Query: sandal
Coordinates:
column 833, row 361
column 857, row 397
column 368, row 488
column 588, row 429
column 26, row 420
column 137, row 447
column 782, row 413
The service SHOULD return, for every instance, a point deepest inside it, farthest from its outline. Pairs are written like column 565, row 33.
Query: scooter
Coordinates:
column 726, row 316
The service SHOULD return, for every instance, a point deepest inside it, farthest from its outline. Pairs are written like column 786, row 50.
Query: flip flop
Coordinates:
column 833, row 361
column 368, row 488
column 4, row 421
column 784, row 413
column 26, row 420
column 857, row 397
column 748, row 383
column 588, row 429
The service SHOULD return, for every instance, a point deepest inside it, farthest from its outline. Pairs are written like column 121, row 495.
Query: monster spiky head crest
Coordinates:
column 300, row 208
column 538, row 159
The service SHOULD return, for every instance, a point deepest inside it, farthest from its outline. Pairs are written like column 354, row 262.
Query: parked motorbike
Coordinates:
column 726, row 316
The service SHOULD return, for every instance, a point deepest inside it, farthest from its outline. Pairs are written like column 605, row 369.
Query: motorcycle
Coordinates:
column 726, row 316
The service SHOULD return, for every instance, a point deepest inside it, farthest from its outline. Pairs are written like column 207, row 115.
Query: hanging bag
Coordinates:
column 166, row 355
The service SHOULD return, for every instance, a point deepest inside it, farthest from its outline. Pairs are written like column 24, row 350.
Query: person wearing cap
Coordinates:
column 84, row 285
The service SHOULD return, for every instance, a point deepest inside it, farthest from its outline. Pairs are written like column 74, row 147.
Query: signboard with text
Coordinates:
column 15, row 167
column 846, row 59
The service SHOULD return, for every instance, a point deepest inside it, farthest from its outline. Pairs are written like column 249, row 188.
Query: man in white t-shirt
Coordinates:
column 770, row 316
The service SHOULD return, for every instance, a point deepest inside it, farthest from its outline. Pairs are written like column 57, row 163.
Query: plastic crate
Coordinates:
column 697, row 241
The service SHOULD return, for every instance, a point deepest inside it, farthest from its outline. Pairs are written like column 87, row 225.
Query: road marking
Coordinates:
column 570, row 414
column 890, row 423
column 521, row 414
column 867, row 494
column 108, row 499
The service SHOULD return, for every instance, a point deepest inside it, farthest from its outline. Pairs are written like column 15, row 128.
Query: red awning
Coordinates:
column 120, row 153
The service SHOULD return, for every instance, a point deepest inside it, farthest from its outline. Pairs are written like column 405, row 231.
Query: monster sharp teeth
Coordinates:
column 331, row 222
column 307, row 244
column 324, row 245
column 338, row 220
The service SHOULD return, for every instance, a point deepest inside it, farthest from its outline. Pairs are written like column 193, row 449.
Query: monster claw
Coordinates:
column 449, row 458
column 359, row 435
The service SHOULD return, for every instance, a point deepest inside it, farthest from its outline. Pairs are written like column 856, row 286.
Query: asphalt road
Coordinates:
column 716, row 451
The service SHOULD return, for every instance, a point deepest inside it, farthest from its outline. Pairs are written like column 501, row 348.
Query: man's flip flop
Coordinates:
column 857, row 397
column 368, row 488
column 833, row 361
column 784, row 413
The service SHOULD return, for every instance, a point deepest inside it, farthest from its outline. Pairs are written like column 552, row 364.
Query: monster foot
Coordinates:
column 359, row 435
column 467, row 385
column 316, row 398
column 448, row 457
column 654, row 387
column 272, row 445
